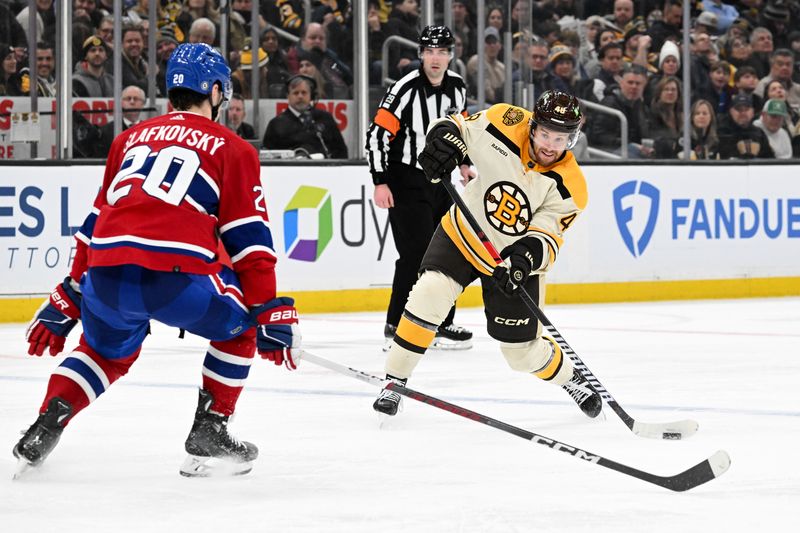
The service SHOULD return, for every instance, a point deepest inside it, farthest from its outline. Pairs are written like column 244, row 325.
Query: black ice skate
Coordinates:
column 40, row 439
column 586, row 398
column 452, row 337
column 388, row 401
column 212, row 450
column 388, row 336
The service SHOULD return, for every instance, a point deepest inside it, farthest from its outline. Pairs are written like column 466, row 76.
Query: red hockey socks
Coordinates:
column 83, row 376
column 225, row 370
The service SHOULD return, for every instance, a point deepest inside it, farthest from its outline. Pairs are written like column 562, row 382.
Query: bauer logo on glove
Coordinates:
column 55, row 319
column 278, row 333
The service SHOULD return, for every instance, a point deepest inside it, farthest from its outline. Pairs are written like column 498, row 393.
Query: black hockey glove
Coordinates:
column 525, row 256
column 444, row 150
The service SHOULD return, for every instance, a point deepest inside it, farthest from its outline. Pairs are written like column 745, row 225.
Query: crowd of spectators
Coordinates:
column 744, row 61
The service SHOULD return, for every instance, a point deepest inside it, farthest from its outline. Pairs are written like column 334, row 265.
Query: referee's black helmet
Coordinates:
column 436, row 37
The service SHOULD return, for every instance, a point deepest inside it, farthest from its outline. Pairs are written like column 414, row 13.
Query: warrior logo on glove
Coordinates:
column 444, row 150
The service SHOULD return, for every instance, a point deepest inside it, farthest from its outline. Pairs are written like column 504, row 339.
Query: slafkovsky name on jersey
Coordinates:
column 191, row 137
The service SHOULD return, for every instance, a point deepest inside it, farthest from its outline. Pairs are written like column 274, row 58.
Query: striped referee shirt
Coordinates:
column 397, row 133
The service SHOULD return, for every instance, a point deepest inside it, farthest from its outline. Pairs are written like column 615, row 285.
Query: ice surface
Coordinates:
column 325, row 466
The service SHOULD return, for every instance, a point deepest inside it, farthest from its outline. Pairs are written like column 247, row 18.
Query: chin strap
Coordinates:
column 215, row 108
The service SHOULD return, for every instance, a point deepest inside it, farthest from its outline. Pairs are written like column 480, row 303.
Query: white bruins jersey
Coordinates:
column 513, row 196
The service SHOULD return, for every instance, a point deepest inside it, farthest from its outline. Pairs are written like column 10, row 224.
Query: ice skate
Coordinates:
column 452, row 337
column 388, row 335
column 212, row 450
column 587, row 399
column 40, row 439
column 388, row 402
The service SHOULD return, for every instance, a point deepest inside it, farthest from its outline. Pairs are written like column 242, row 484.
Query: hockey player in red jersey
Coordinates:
column 174, row 187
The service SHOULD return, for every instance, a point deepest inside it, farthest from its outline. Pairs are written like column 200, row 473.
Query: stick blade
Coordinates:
column 703, row 472
column 679, row 430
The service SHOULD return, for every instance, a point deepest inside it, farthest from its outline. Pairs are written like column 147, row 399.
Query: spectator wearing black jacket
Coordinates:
column 236, row 116
column 10, row 28
column 666, row 116
column 134, row 66
column 738, row 137
column 10, row 83
column 302, row 126
column 403, row 22
column 669, row 27
column 627, row 97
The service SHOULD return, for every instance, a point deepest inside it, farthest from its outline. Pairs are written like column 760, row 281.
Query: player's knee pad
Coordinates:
column 432, row 296
column 541, row 357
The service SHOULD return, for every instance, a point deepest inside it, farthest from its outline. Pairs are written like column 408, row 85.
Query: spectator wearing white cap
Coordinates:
column 773, row 117
column 707, row 22
column 669, row 64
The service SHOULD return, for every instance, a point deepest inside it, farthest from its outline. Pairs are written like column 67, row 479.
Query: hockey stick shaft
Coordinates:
column 670, row 431
column 702, row 472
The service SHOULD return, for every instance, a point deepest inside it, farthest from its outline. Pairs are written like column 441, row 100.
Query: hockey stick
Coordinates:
column 677, row 430
column 704, row 471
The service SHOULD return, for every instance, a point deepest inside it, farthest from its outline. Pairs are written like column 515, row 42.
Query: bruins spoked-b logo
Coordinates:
column 507, row 208
column 513, row 116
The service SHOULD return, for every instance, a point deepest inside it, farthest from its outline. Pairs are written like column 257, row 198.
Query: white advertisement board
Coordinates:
column 643, row 223
column 653, row 223
column 327, row 232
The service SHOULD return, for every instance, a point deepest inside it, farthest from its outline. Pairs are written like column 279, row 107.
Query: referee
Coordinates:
column 395, row 138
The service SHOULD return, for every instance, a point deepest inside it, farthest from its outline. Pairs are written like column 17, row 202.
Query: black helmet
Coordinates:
column 558, row 111
column 436, row 37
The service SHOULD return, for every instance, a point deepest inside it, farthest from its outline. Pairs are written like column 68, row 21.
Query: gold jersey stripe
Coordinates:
column 471, row 255
column 473, row 241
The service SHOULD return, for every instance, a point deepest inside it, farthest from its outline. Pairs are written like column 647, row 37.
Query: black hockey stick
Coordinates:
column 704, row 471
column 677, row 430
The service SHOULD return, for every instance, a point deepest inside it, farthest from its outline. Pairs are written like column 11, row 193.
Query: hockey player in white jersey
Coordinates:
column 528, row 192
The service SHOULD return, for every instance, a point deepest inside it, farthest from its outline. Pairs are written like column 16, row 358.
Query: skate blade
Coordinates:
column 197, row 466
column 448, row 345
column 383, row 420
column 22, row 467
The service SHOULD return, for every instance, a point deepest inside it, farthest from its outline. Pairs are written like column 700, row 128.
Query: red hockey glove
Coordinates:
column 54, row 319
column 278, row 333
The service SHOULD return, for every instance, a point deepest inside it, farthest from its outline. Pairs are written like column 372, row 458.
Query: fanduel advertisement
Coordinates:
column 682, row 223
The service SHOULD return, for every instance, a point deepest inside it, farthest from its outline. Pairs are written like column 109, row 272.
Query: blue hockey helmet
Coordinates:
column 198, row 67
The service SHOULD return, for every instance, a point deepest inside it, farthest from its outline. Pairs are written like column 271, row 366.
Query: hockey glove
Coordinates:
column 55, row 319
column 278, row 333
column 444, row 150
column 524, row 256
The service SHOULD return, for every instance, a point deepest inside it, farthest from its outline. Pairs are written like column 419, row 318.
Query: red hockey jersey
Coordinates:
column 173, row 187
